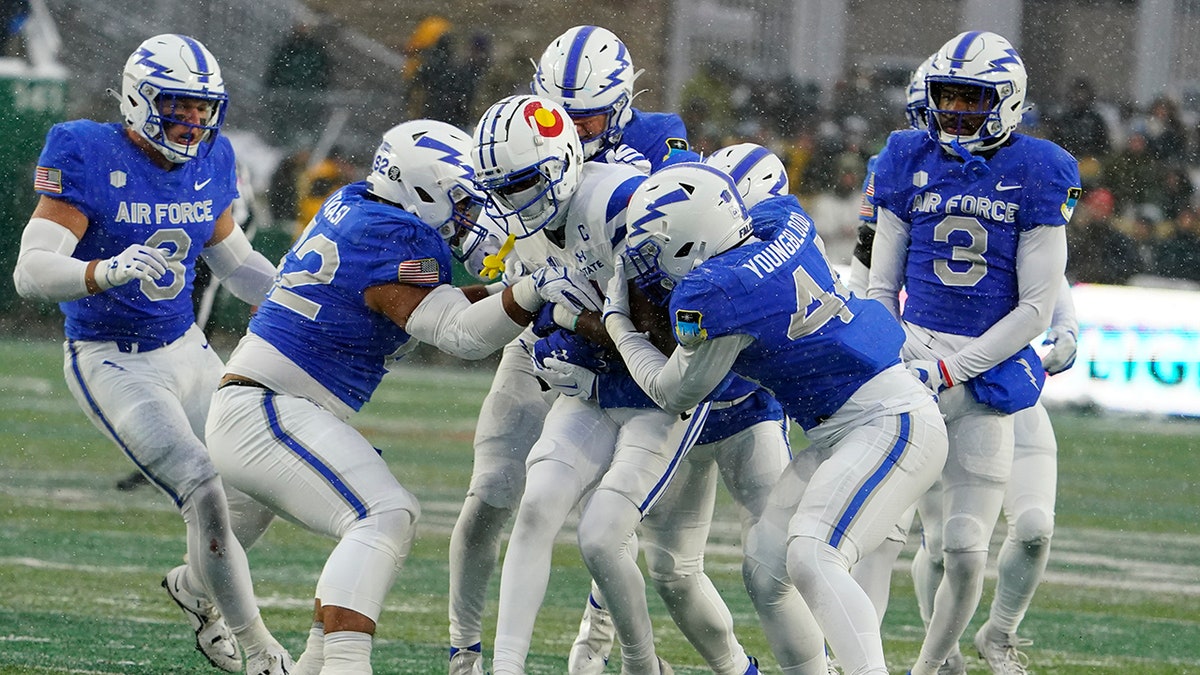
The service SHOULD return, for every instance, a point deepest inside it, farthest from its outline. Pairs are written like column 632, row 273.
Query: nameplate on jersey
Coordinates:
column 785, row 244
column 175, row 213
column 688, row 329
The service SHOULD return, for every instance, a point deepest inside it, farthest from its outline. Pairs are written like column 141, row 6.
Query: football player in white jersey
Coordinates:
column 971, row 215
column 1028, row 499
column 124, row 211
column 774, row 312
column 605, row 436
column 368, row 278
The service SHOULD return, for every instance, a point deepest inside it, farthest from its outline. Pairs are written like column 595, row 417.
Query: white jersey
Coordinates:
column 593, row 225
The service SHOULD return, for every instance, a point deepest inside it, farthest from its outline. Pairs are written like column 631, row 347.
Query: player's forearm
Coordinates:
column 681, row 381
column 1064, row 309
column 888, row 256
column 449, row 321
column 245, row 272
column 45, row 269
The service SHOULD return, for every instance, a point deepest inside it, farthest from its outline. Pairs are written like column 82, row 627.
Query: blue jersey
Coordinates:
column 965, row 222
column 660, row 137
column 773, row 213
column 128, row 199
column 814, row 343
column 316, row 314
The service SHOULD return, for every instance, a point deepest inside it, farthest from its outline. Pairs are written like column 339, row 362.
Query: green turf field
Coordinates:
column 80, row 562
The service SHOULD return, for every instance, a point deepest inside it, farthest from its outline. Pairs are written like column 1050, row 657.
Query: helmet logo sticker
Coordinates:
column 548, row 123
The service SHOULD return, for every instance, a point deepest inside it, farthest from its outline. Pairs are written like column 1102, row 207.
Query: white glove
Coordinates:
column 624, row 154
column 616, row 296
column 567, row 287
column 135, row 262
column 930, row 373
column 566, row 378
column 1062, row 354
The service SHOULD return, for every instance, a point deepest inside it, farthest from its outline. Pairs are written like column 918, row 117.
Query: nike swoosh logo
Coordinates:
column 1001, row 187
column 200, row 186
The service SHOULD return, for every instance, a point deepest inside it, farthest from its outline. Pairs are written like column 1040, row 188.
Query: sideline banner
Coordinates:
column 1139, row 351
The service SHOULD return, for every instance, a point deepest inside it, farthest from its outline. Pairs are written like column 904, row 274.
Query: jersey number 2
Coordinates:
column 326, row 251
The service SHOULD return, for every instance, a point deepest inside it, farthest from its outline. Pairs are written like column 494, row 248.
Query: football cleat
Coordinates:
column 270, row 662
column 954, row 665
column 589, row 653
column 213, row 638
column 1002, row 656
column 466, row 660
column 752, row 669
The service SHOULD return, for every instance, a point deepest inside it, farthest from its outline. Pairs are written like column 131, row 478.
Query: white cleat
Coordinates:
column 589, row 653
column 213, row 638
column 269, row 663
column 1002, row 656
column 466, row 662
column 955, row 665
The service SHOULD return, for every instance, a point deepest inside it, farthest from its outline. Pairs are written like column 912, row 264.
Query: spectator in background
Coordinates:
column 1166, row 137
column 1079, row 127
column 1177, row 190
column 442, row 85
column 318, row 180
column 1097, row 252
column 296, row 79
column 1178, row 252
column 1133, row 175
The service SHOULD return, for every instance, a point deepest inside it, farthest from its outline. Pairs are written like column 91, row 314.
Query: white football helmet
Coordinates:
column 422, row 166
column 528, row 160
column 587, row 70
column 917, row 107
column 756, row 171
column 987, row 63
column 163, row 70
column 679, row 217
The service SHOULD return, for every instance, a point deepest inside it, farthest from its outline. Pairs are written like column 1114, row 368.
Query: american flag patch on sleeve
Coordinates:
column 47, row 180
column 865, row 208
column 423, row 271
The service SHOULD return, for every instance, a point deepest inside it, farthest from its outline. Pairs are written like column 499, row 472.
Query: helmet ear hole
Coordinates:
column 423, row 195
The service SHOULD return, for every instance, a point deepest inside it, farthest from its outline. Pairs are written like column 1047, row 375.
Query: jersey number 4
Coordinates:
column 815, row 304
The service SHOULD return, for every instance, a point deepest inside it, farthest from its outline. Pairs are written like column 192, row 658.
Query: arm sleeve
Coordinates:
column 685, row 379
column 45, row 269
column 1041, row 260
column 245, row 272
column 1064, row 310
column 889, row 253
column 449, row 321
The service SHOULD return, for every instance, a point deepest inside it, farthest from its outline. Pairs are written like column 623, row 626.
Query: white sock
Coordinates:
column 313, row 658
column 347, row 652
column 255, row 638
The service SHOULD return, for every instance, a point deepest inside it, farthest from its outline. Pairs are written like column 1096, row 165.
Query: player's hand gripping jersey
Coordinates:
column 128, row 201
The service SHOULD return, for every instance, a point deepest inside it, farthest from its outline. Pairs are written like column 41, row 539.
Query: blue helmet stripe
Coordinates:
column 960, row 50
column 739, row 171
column 570, row 73
column 198, row 53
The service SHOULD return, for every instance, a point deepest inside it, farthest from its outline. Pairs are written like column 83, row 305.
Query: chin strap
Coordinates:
column 975, row 164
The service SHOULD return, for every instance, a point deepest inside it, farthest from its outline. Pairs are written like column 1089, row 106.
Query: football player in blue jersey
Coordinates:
column 775, row 313
column 970, row 220
column 124, row 211
column 604, row 436
column 369, row 277
column 588, row 71
column 1029, row 498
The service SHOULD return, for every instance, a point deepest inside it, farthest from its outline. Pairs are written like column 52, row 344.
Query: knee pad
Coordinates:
column 363, row 565
column 964, row 533
column 665, row 567
column 1034, row 527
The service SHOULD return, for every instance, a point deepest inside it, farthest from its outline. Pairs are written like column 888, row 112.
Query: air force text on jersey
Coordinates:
column 174, row 213
column 994, row 210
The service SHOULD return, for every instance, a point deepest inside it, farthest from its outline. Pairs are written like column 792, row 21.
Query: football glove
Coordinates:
column 1062, row 352
column 565, row 378
column 135, row 262
column 571, row 348
column 567, row 287
column 932, row 374
column 624, row 154
column 616, row 296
